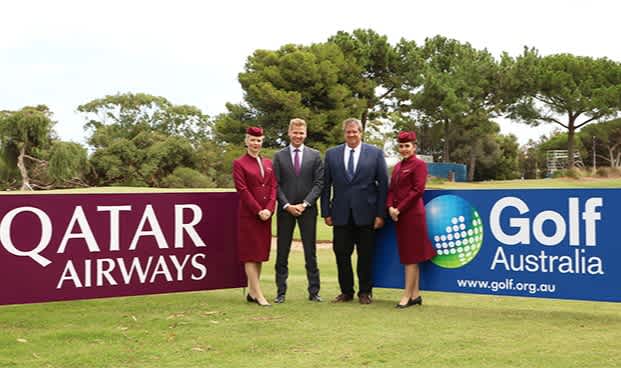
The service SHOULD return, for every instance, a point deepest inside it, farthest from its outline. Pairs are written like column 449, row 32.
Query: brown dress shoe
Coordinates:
column 341, row 298
column 364, row 299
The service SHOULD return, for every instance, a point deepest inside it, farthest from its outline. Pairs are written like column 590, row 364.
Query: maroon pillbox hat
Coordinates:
column 255, row 131
column 406, row 137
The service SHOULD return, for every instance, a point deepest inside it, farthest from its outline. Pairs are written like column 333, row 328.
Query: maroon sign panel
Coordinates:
column 82, row 246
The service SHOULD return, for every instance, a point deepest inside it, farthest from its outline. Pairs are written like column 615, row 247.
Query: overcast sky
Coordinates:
column 66, row 53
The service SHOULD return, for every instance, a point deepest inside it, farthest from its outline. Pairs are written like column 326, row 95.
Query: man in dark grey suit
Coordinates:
column 354, row 202
column 299, row 172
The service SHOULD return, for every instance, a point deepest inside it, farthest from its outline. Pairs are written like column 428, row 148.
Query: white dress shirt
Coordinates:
column 357, row 150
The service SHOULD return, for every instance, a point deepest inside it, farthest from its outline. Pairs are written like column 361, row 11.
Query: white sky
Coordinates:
column 65, row 53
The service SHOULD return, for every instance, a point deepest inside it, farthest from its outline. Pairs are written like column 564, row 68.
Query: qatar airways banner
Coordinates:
column 80, row 246
column 548, row 243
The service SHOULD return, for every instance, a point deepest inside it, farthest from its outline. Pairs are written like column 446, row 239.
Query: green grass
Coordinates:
column 219, row 329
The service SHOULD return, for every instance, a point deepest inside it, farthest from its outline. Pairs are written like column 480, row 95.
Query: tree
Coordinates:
column 350, row 75
column 566, row 90
column 488, row 154
column 28, row 143
column 457, row 83
column 374, row 70
column 141, row 140
column 557, row 140
column 607, row 136
column 293, row 81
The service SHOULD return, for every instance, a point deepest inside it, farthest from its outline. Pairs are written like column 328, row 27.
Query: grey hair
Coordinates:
column 349, row 121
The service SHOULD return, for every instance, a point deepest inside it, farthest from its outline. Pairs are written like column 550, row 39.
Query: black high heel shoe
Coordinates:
column 418, row 300
column 403, row 306
column 250, row 299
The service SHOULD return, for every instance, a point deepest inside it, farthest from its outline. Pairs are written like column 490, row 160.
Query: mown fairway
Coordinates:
column 219, row 329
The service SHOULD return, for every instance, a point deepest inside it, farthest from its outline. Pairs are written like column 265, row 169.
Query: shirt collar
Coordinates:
column 291, row 148
column 356, row 149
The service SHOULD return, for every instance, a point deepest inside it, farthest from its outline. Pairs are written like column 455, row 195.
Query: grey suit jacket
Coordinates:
column 295, row 189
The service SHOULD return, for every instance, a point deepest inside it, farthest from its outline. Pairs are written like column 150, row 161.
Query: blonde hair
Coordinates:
column 248, row 136
column 297, row 122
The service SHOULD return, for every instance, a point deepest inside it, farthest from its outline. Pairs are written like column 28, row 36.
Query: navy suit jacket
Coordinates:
column 365, row 194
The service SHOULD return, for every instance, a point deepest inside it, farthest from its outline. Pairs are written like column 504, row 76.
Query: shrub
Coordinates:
column 602, row 172
column 434, row 180
column 573, row 173
column 183, row 177
column 614, row 171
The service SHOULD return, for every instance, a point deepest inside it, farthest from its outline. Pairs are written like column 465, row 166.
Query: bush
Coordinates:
column 614, row 171
column 558, row 174
column 434, row 180
column 573, row 173
column 183, row 177
column 602, row 172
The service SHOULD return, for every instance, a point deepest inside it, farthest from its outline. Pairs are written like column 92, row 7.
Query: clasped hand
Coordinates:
column 265, row 215
column 394, row 213
column 295, row 209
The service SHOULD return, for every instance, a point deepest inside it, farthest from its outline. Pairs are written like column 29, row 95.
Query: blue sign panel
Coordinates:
column 547, row 243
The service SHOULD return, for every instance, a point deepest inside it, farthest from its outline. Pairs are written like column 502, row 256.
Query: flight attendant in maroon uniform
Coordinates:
column 407, row 210
column 256, row 184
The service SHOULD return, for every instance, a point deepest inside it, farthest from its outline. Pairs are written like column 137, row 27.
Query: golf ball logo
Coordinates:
column 455, row 229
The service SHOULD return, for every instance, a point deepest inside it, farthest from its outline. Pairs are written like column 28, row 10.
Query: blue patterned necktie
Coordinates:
column 350, row 165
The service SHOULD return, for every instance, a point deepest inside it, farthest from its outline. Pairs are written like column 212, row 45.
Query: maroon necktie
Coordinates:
column 296, row 161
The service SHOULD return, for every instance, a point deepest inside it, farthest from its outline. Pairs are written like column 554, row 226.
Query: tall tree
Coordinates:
column 605, row 138
column 140, row 140
column 566, row 90
column 373, row 70
column 324, row 83
column 28, row 143
column 293, row 81
column 457, row 82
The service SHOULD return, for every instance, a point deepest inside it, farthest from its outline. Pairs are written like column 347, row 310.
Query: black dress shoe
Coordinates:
column 279, row 299
column 314, row 298
column 418, row 300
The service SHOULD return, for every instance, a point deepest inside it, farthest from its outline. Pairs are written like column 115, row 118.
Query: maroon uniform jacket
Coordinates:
column 405, row 193
column 256, row 193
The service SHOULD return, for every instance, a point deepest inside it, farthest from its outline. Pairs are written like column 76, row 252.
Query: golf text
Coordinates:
column 577, row 231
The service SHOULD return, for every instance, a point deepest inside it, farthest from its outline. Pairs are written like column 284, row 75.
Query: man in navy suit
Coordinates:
column 354, row 202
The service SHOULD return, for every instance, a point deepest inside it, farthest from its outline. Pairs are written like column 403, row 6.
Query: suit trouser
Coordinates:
column 345, row 237
column 308, row 230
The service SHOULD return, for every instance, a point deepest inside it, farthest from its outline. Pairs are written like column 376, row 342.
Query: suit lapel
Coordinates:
column 306, row 158
column 340, row 162
column 286, row 156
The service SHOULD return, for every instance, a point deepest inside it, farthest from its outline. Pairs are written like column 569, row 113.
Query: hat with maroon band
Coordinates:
column 406, row 137
column 255, row 131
